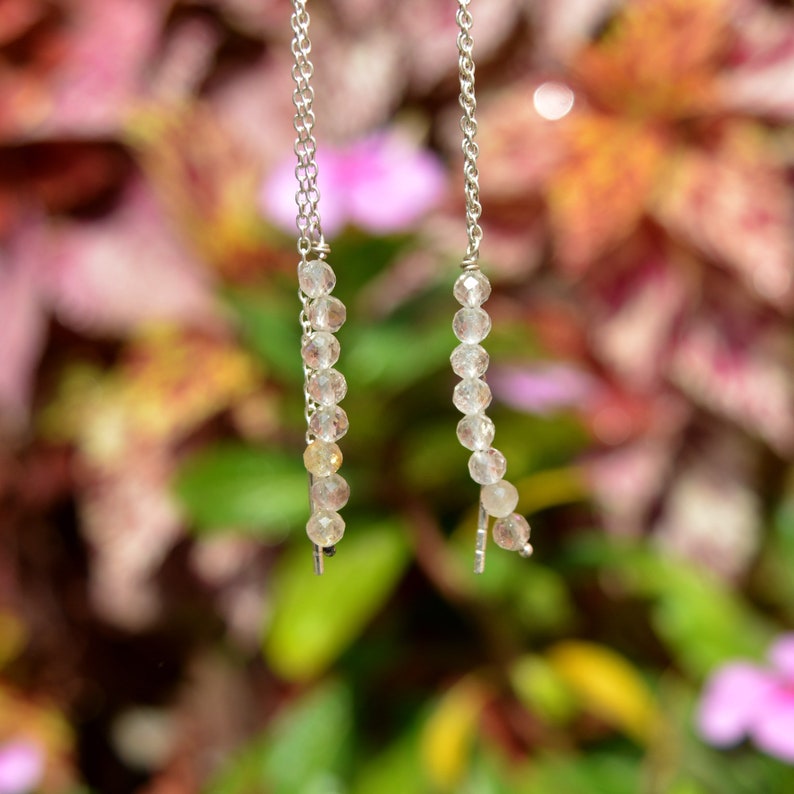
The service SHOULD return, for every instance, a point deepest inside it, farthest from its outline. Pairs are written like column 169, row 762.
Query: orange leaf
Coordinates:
column 659, row 59
column 599, row 194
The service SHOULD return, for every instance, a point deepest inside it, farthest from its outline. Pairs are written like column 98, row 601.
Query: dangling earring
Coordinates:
column 487, row 465
column 321, row 317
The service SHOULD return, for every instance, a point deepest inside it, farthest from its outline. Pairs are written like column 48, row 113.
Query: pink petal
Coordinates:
column 762, row 81
column 730, row 703
column 566, row 25
column 21, row 766
column 390, row 183
column 110, row 275
column 24, row 323
column 111, row 45
column 773, row 728
column 781, row 654
column 277, row 197
column 541, row 389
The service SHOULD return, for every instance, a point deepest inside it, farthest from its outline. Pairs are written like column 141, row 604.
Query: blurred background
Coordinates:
column 161, row 631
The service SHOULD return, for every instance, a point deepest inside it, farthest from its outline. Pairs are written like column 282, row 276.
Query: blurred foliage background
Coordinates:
column 161, row 631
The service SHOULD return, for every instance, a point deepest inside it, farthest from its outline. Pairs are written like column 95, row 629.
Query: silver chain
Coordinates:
column 468, row 125
column 307, row 196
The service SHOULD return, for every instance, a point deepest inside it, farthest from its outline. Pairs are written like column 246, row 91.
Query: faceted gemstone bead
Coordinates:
column 329, row 423
column 330, row 493
column 325, row 528
column 499, row 499
column 471, row 396
column 326, row 314
column 320, row 350
column 322, row 458
column 512, row 533
column 469, row 361
column 487, row 466
column 476, row 431
column 472, row 288
column 471, row 325
column 316, row 278
column 327, row 386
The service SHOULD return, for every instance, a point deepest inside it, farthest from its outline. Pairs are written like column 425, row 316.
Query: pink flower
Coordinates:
column 744, row 700
column 543, row 388
column 382, row 183
column 21, row 766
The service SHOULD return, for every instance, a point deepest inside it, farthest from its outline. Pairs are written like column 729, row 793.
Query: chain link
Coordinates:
column 307, row 196
column 468, row 125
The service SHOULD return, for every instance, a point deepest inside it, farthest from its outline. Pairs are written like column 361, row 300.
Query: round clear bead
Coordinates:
column 330, row 493
column 329, row 423
column 471, row 396
column 472, row 288
column 499, row 499
column 322, row 458
column 325, row 528
column 320, row 350
column 469, row 361
column 471, row 325
column 327, row 387
column 487, row 466
column 316, row 278
column 326, row 314
column 476, row 431
column 512, row 533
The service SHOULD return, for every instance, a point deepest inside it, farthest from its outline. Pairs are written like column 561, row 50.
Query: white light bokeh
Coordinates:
column 553, row 100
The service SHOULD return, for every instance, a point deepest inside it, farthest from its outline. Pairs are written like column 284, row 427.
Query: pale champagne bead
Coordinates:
column 499, row 499
column 487, row 466
column 327, row 387
column 476, row 431
column 329, row 423
column 326, row 314
column 472, row 288
column 316, row 278
column 320, row 350
column 330, row 493
column 469, row 361
column 512, row 533
column 471, row 325
column 325, row 528
column 471, row 396
column 322, row 458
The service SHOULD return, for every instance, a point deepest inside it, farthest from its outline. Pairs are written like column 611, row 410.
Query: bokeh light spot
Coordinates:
column 552, row 100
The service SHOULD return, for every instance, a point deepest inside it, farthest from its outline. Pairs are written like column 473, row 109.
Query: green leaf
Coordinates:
column 315, row 618
column 591, row 774
column 703, row 622
column 270, row 326
column 304, row 750
column 396, row 770
column 232, row 486
column 393, row 356
column 700, row 619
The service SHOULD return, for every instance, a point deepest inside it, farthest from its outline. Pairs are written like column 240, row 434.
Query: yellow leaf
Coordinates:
column 449, row 733
column 608, row 686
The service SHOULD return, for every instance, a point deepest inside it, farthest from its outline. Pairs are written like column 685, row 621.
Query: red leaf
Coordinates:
column 741, row 373
column 736, row 206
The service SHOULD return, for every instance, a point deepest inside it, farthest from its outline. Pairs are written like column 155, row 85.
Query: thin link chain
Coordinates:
column 468, row 125
column 307, row 196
